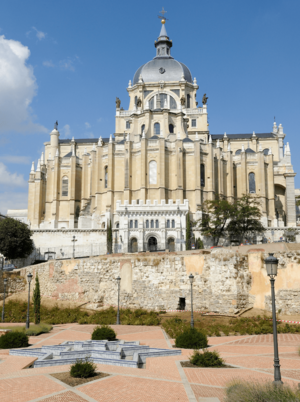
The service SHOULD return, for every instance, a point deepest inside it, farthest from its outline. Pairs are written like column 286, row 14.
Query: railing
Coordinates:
column 194, row 111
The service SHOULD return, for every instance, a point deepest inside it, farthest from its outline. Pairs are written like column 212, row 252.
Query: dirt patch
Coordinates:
column 73, row 382
column 190, row 365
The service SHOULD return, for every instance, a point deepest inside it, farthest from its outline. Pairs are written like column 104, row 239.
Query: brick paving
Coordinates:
column 162, row 380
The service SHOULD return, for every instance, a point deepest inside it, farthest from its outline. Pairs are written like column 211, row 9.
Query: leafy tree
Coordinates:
column 109, row 237
column 245, row 222
column 188, row 235
column 199, row 244
column 15, row 239
column 216, row 215
column 291, row 234
column 37, row 301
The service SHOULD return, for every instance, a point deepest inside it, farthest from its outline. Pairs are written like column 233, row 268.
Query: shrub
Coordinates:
column 103, row 333
column 242, row 391
column 13, row 340
column 35, row 330
column 83, row 368
column 191, row 339
column 206, row 359
column 174, row 327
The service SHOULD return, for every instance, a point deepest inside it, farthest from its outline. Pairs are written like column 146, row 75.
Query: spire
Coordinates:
column 243, row 148
column 42, row 159
column 280, row 129
column 287, row 149
column 32, row 168
column 275, row 128
column 218, row 143
column 163, row 44
column 253, row 134
column 73, row 150
column 210, row 140
column 38, row 168
column 225, row 135
column 111, row 139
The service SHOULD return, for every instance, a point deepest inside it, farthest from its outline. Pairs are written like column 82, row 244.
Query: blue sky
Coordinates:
column 68, row 60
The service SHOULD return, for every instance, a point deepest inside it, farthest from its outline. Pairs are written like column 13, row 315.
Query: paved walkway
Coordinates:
column 163, row 379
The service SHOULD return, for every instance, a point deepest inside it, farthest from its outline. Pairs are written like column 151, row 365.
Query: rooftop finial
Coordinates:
column 32, row 168
column 162, row 18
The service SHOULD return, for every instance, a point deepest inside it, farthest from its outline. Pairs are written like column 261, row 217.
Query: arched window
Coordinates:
column 65, row 186
column 238, row 152
column 152, row 224
column 135, row 100
column 117, row 225
column 173, row 223
column 105, row 176
column 156, row 224
column 252, row 189
column 188, row 101
column 171, row 128
column 147, row 224
column 131, row 224
column 202, row 174
column 171, row 102
column 136, row 224
column 266, row 151
column 142, row 128
column 152, row 172
column 156, row 129
column 168, row 223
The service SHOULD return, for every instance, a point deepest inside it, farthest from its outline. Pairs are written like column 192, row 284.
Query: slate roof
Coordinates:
column 186, row 139
column 84, row 141
column 242, row 136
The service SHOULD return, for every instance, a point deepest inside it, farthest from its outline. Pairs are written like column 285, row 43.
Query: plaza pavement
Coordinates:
column 163, row 379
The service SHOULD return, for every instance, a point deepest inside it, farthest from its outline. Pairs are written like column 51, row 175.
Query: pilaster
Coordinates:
column 290, row 199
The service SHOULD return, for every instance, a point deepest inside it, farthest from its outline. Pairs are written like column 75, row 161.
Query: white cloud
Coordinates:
column 17, row 88
column 67, row 65
column 39, row 34
column 48, row 63
column 21, row 160
column 66, row 131
column 87, row 125
column 11, row 179
column 12, row 200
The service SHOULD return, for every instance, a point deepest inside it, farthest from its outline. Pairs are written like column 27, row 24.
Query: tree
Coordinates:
column 245, row 222
column 216, row 215
column 290, row 234
column 37, row 301
column 109, row 237
column 188, row 232
column 15, row 239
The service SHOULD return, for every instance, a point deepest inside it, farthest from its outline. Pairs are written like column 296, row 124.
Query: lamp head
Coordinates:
column 5, row 281
column 118, row 279
column 29, row 277
column 271, row 265
column 191, row 278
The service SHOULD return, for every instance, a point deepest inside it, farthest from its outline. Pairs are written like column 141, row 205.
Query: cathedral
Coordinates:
column 161, row 164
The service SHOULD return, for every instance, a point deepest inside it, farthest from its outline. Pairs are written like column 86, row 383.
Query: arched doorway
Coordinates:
column 171, row 244
column 133, row 245
column 152, row 244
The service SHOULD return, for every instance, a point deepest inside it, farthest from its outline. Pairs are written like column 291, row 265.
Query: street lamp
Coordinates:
column 74, row 240
column 29, row 277
column 191, row 278
column 118, row 313
column 272, row 265
column 5, row 283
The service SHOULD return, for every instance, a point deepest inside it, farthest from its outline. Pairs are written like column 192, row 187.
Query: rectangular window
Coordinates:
column 194, row 123
column 202, row 174
column 64, row 189
column 135, row 224
column 127, row 125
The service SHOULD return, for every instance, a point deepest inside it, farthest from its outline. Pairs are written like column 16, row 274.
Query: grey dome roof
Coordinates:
column 163, row 66
column 173, row 71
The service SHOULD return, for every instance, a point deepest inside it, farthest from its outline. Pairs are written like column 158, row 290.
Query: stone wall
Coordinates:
column 16, row 283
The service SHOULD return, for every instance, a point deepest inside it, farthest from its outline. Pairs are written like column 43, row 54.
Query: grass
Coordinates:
column 242, row 391
column 33, row 330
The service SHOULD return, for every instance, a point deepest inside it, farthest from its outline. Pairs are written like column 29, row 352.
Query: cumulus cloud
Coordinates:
column 17, row 88
column 11, row 179
column 20, row 160
column 39, row 34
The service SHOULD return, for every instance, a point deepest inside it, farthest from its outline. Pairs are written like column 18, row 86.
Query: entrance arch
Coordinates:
column 171, row 244
column 152, row 243
column 134, row 245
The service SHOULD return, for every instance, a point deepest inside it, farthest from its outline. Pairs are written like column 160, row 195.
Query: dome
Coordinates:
column 163, row 67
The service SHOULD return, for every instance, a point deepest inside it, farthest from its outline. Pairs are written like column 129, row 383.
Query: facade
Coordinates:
column 160, row 164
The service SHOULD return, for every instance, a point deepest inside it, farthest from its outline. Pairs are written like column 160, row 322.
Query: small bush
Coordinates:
column 206, row 359
column 35, row 330
column 83, row 368
column 103, row 333
column 242, row 391
column 12, row 340
column 191, row 339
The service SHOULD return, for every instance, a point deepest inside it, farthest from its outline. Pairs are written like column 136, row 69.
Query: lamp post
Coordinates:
column 272, row 265
column 3, row 308
column 29, row 277
column 74, row 240
column 118, row 313
column 191, row 278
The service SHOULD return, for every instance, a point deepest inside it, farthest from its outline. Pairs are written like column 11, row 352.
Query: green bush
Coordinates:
column 103, row 333
column 174, row 327
column 83, row 368
column 35, row 330
column 242, row 391
column 191, row 339
column 12, row 340
column 206, row 359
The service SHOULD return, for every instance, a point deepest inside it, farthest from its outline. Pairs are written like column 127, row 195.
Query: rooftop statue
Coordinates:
column 55, row 125
column 118, row 103
column 139, row 102
column 182, row 100
column 204, row 99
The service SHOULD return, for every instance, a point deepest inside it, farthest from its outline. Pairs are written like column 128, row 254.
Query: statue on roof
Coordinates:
column 139, row 102
column 204, row 99
column 55, row 125
column 182, row 100
column 118, row 103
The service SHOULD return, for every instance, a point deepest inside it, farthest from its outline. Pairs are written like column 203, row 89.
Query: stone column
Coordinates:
column 161, row 171
column 93, row 180
column 55, row 188
column 197, row 181
column 72, row 194
column 210, row 172
column 261, row 185
column 229, row 186
column 179, row 164
column 143, row 193
column 99, row 174
column 270, row 189
column 127, row 172
column 110, row 184
column 242, row 182
column 290, row 199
